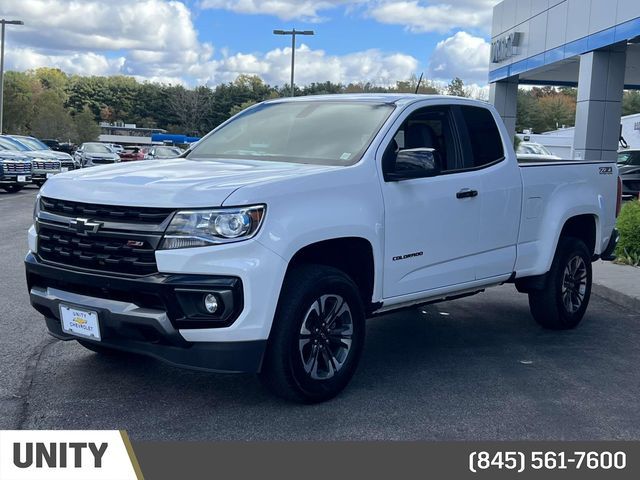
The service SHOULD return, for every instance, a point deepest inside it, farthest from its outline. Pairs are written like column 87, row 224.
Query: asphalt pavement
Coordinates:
column 474, row 369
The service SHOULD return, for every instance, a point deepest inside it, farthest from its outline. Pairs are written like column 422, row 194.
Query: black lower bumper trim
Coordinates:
column 220, row 357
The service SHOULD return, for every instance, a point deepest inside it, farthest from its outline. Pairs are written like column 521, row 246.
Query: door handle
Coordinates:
column 467, row 193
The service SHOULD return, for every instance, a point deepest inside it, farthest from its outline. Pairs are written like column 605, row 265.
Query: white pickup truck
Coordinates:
column 266, row 248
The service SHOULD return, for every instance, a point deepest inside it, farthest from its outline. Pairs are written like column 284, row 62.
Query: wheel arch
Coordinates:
column 352, row 255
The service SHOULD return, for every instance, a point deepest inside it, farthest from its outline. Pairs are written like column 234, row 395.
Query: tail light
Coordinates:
column 619, row 198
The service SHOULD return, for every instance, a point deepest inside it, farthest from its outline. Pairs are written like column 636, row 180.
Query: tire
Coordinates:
column 306, row 360
column 102, row 350
column 39, row 183
column 563, row 302
column 12, row 188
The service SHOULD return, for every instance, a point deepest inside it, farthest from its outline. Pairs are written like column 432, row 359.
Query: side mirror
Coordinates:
column 415, row 163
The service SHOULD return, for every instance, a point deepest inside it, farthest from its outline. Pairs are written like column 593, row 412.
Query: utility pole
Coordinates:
column 293, row 34
column 4, row 23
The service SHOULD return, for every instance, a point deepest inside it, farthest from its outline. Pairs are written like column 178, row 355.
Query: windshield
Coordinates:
column 325, row 133
column 33, row 143
column 167, row 152
column 96, row 148
column 10, row 144
column 533, row 149
column 629, row 158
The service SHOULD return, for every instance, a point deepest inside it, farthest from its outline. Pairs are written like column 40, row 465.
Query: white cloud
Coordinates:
column 312, row 66
column 85, row 63
column 145, row 25
column 304, row 10
column 156, row 40
column 420, row 16
column 416, row 15
column 461, row 55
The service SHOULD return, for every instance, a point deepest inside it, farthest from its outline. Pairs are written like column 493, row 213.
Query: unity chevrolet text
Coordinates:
column 266, row 248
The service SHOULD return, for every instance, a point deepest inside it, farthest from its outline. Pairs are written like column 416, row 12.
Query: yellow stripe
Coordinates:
column 132, row 454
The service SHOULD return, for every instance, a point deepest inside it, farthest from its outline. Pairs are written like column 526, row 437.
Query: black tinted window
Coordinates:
column 484, row 140
column 429, row 127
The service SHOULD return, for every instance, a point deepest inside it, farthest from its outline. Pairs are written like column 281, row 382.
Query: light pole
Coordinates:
column 293, row 34
column 4, row 22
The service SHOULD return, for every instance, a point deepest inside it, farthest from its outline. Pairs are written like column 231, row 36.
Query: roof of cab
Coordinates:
column 397, row 98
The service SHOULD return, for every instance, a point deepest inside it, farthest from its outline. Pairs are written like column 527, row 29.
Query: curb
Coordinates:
column 617, row 297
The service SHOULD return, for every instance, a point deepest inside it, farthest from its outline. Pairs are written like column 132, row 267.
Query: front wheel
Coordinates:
column 562, row 304
column 12, row 188
column 317, row 335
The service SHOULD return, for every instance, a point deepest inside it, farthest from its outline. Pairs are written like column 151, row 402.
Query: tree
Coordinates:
column 86, row 128
column 631, row 102
column 456, row 87
column 238, row 108
column 50, row 119
column 20, row 89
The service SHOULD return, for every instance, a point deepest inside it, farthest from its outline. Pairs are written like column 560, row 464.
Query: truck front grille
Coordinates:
column 70, row 164
column 46, row 165
column 122, row 254
column 105, row 213
column 16, row 167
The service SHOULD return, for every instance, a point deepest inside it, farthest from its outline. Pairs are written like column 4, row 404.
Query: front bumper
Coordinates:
column 38, row 175
column 147, row 315
column 13, row 179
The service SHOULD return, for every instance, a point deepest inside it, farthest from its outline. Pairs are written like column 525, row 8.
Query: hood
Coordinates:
column 103, row 156
column 40, row 154
column 60, row 155
column 12, row 155
column 174, row 183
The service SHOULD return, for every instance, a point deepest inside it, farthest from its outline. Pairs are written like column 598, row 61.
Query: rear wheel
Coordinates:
column 563, row 303
column 317, row 335
column 12, row 188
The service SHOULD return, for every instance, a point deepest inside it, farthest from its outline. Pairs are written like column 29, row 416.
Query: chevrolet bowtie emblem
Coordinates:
column 84, row 226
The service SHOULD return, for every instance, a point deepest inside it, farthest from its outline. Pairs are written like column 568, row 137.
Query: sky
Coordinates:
column 197, row 42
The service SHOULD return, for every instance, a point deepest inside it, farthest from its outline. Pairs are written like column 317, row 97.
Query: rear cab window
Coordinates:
column 480, row 137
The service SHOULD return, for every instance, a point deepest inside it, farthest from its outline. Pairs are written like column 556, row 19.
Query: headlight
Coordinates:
column 36, row 209
column 199, row 228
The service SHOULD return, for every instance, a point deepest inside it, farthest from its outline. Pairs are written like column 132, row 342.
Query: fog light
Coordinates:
column 210, row 303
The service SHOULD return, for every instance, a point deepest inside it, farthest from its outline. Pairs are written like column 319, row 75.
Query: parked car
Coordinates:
column 162, row 152
column 91, row 154
column 116, row 148
column 629, row 168
column 67, row 162
column 15, row 171
column 44, row 165
column 531, row 151
column 265, row 249
column 66, row 147
column 131, row 154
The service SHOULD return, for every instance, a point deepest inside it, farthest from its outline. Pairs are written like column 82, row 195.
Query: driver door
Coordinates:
column 431, row 223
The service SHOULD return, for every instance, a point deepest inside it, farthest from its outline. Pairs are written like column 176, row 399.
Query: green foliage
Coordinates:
column 49, row 103
column 628, row 249
column 544, row 109
column 86, row 128
column 456, row 87
column 631, row 102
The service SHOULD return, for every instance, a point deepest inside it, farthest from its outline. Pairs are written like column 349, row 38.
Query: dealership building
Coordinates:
column 593, row 45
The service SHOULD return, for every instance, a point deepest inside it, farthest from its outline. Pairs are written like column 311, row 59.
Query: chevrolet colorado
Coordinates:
column 265, row 248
